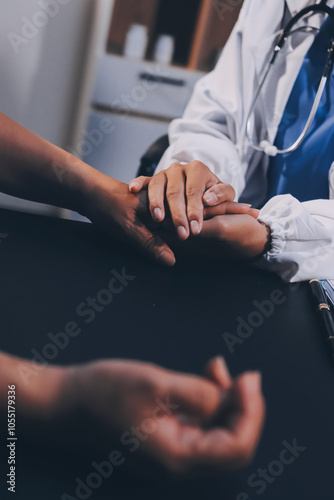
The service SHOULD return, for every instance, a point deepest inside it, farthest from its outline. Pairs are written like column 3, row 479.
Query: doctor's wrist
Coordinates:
column 268, row 242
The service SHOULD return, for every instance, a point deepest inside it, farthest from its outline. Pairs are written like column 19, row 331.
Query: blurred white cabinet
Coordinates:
column 48, row 55
column 139, row 98
column 143, row 87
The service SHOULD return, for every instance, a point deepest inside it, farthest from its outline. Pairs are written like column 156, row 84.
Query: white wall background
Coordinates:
column 47, row 76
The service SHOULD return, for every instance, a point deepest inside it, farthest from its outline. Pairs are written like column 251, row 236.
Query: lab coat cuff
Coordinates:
column 277, row 235
column 279, row 214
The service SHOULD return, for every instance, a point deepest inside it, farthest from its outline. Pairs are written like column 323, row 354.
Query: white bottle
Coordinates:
column 164, row 49
column 136, row 42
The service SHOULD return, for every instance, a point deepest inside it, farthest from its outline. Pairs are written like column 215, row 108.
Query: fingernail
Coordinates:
column 210, row 198
column 167, row 258
column 221, row 363
column 246, row 205
column 194, row 226
column 133, row 185
column 254, row 212
column 220, row 360
column 157, row 212
column 182, row 232
column 253, row 381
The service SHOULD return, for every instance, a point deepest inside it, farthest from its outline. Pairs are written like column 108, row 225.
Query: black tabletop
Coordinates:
column 177, row 318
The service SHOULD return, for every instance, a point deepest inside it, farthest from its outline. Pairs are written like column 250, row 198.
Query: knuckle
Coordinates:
column 194, row 192
column 221, row 227
column 221, row 223
column 150, row 243
column 198, row 165
column 230, row 189
column 173, row 192
column 174, row 167
column 147, row 387
column 156, row 180
column 224, row 191
column 128, row 226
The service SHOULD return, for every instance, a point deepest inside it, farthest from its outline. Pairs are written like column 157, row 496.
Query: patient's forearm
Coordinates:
column 34, row 391
column 35, row 169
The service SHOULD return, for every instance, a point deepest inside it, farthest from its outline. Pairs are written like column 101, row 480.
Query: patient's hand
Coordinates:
column 234, row 236
column 158, row 419
column 111, row 207
column 179, row 422
column 239, row 236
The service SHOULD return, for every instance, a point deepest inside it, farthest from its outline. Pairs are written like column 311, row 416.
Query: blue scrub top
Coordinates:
column 304, row 172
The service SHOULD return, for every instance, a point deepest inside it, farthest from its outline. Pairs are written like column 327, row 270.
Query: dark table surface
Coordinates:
column 177, row 318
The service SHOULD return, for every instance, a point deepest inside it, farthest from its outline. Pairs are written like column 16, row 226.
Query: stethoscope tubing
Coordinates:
column 265, row 146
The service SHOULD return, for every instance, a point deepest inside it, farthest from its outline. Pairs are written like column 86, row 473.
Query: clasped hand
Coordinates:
column 184, row 424
column 200, row 205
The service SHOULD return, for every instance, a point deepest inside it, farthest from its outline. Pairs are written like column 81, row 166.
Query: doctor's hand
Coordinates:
column 111, row 207
column 186, row 190
column 179, row 423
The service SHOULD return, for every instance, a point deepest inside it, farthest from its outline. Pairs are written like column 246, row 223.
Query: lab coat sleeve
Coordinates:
column 302, row 238
column 208, row 130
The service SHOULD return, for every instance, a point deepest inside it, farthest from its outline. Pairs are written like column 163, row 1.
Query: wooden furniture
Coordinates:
column 139, row 98
column 200, row 27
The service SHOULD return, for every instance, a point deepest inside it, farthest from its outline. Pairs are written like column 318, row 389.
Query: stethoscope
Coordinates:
column 265, row 146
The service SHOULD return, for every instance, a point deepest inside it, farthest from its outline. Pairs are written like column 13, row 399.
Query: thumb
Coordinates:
column 151, row 245
column 217, row 371
column 136, row 185
column 254, row 212
column 194, row 396
column 249, row 407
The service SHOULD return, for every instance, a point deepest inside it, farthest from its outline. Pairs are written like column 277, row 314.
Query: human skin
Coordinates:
column 209, row 423
column 34, row 169
column 193, row 194
column 108, row 397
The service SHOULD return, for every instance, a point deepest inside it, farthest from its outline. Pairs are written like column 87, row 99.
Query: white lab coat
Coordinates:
column 212, row 131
